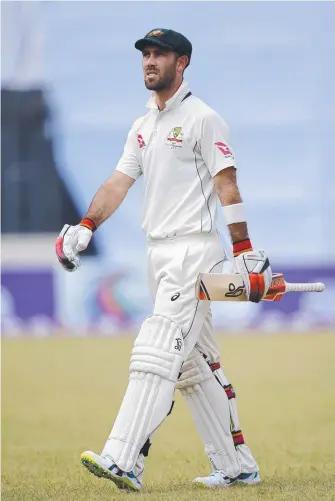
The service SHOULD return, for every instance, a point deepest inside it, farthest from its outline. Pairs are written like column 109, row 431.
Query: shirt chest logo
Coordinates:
column 175, row 138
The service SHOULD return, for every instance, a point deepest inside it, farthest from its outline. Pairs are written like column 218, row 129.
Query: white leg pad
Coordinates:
column 155, row 364
column 209, row 407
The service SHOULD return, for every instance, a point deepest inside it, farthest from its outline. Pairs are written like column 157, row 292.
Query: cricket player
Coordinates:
column 181, row 147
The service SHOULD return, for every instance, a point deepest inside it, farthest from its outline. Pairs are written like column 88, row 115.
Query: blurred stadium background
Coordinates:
column 71, row 88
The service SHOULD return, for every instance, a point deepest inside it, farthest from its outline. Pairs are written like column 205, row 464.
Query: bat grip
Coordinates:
column 313, row 287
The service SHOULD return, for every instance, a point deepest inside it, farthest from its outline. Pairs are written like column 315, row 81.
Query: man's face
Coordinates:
column 159, row 68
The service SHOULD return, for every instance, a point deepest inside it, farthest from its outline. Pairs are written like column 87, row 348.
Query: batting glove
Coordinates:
column 71, row 241
column 255, row 269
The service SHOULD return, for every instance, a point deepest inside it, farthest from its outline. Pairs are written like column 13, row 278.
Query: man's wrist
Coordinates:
column 242, row 246
column 234, row 213
column 87, row 222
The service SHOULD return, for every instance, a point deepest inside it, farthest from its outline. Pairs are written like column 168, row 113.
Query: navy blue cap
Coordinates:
column 167, row 39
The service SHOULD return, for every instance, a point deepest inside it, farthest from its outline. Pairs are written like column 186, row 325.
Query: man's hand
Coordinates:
column 255, row 269
column 71, row 241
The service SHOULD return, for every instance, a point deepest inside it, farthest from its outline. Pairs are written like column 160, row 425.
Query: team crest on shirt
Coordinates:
column 175, row 138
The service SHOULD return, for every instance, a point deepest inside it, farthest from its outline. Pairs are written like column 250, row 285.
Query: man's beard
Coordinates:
column 163, row 83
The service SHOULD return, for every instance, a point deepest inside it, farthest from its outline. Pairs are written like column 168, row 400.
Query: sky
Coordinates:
column 267, row 67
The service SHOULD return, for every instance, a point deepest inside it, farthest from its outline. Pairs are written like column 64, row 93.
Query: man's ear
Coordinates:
column 183, row 62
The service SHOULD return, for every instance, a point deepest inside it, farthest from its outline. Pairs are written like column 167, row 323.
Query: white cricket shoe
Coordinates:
column 103, row 468
column 219, row 479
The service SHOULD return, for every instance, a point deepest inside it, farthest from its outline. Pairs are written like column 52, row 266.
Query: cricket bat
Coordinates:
column 223, row 287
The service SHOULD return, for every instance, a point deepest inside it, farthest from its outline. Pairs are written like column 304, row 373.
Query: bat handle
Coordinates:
column 313, row 287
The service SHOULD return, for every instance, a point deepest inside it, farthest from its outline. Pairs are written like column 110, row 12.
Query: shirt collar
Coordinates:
column 174, row 100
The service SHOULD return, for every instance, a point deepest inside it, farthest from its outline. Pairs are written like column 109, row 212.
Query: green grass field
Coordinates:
column 60, row 396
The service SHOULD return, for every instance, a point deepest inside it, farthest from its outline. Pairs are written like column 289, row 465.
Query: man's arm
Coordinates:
column 74, row 239
column 226, row 187
column 108, row 198
column 220, row 161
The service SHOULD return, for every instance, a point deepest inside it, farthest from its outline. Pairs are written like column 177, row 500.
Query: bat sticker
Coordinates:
column 233, row 292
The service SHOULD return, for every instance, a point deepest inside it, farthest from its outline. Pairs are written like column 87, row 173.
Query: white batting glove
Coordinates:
column 71, row 241
column 255, row 270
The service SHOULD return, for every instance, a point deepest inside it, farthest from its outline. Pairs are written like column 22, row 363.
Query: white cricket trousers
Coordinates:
column 173, row 266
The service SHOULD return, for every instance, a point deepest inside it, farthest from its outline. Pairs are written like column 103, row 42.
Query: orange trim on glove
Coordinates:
column 242, row 246
column 88, row 223
column 257, row 287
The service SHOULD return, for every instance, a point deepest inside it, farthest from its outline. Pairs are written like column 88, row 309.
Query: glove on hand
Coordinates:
column 255, row 269
column 71, row 241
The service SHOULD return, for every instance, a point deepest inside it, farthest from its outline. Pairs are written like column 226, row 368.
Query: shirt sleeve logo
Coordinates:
column 224, row 149
column 140, row 141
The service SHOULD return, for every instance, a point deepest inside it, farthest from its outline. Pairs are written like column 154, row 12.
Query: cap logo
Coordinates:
column 155, row 33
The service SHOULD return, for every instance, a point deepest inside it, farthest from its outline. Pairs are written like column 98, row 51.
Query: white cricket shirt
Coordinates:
column 178, row 150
